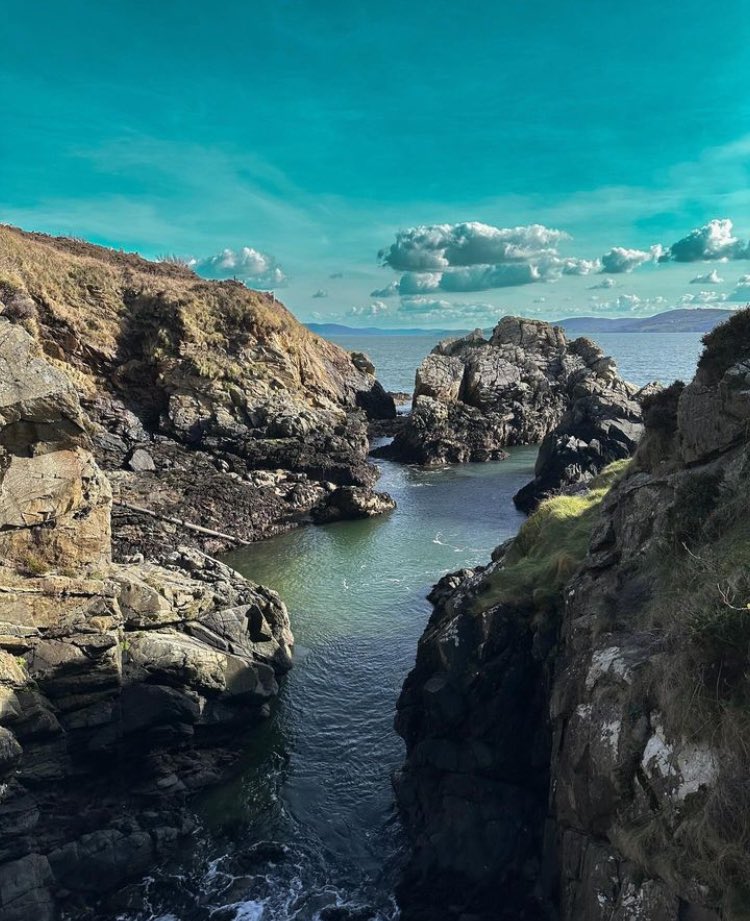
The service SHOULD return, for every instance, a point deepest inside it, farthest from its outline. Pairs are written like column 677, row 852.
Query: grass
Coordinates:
column 107, row 308
column 725, row 345
column 549, row 547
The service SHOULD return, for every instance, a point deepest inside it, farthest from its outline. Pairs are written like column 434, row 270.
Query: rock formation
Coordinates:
column 474, row 397
column 577, row 719
column 117, row 680
column 207, row 402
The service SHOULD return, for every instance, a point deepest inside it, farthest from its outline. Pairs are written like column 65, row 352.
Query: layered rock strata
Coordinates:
column 120, row 683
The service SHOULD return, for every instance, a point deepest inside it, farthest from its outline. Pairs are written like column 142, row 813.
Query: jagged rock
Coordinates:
column 604, row 710
column 140, row 461
column 603, row 424
column 211, row 381
column 474, row 397
column 353, row 502
column 121, row 685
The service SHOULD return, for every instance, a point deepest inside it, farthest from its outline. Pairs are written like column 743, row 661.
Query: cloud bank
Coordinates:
column 256, row 269
column 709, row 278
column 714, row 240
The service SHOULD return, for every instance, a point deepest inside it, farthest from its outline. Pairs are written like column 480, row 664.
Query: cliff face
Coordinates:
column 474, row 397
column 577, row 722
column 116, row 680
column 207, row 401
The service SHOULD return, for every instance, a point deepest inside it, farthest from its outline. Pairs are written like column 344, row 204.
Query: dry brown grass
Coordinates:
column 93, row 301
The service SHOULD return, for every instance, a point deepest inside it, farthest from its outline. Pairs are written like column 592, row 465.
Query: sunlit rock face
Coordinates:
column 120, row 683
column 193, row 391
column 527, row 383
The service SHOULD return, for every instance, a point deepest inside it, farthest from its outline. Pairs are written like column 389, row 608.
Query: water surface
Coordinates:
column 318, row 778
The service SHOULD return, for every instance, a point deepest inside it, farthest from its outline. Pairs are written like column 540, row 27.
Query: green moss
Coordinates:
column 550, row 546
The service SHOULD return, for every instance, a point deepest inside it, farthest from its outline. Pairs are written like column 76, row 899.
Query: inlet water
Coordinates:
column 306, row 831
column 315, row 785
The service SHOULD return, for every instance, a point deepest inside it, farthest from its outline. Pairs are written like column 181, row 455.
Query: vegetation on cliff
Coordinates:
column 612, row 637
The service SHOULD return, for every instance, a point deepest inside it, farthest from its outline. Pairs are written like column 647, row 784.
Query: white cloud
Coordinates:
column 632, row 303
column 619, row 259
column 374, row 309
column 321, row 292
column 702, row 297
column 389, row 291
column 603, row 285
column 419, row 282
column 742, row 292
column 444, row 310
column 484, row 277
column 440, row 246
column 713, row 240
column 709, row 278
column 256, row 269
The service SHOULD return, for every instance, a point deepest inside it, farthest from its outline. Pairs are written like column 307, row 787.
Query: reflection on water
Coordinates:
column 315, row 785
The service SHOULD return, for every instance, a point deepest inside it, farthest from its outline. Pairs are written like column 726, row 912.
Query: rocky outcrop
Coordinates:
column 603, row 424
column 123, row 686
column 474, row 397
column 576, row 722
column 205, row 398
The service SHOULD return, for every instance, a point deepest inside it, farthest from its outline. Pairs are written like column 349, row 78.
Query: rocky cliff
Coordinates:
column 474, row 397
column 206, row 401
column 119, row 683
column 577, row 721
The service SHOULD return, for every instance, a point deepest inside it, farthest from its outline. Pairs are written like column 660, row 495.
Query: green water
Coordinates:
column 317, row 779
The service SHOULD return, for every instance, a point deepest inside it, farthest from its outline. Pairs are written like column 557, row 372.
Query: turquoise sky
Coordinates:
column 311, row 133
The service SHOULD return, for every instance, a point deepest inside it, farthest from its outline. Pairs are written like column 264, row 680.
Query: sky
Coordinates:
column 394, row 163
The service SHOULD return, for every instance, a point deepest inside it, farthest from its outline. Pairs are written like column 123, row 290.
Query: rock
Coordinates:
column 603, row 424
column 474, row 397
column 102, row 860
column 571, row 740
column 190, row 387
column 25, row 890
column 352, row 502
column 127, row 684
column 140, row 461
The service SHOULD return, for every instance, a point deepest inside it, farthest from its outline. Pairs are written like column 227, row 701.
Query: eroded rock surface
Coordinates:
column 120, row 683
column 474, row 397
column 206, row 401
column 577, row 744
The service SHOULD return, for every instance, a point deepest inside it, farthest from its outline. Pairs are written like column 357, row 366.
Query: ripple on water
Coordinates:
column 315, row 783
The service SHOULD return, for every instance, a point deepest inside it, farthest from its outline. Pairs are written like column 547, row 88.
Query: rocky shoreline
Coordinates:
column 576, row 720
column 148, row 420
column 526, row 383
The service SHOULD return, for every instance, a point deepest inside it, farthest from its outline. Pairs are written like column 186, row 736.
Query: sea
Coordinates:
column 306, row 830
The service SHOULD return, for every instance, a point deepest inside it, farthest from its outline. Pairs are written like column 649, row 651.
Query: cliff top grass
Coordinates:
column 550, row 546
column 105, row 298
column 725, row 345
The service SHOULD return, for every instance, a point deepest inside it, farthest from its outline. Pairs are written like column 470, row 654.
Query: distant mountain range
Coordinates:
column 338, row 329
column 684, row 320
column 687, row 320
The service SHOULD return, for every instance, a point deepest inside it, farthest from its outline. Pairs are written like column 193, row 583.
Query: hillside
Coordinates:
column 209, row 402
column 695, row 320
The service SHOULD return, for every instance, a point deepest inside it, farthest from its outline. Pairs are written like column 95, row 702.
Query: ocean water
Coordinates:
column 641, row 357
column 315, row 782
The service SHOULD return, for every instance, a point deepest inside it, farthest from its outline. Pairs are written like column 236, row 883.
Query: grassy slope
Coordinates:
column 219, row 330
